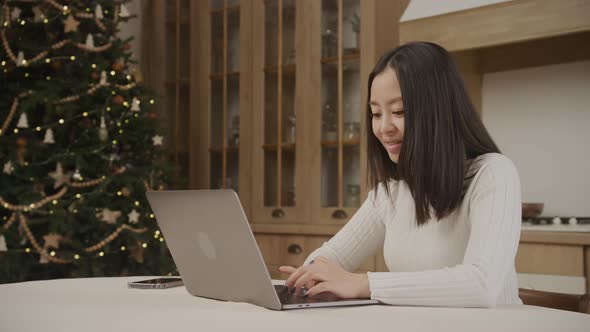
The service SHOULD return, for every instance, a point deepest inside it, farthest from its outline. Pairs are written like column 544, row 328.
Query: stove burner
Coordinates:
column 557, row 220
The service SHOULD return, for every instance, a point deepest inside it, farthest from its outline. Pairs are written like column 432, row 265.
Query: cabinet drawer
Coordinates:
column 292, row 250
column 550, row 259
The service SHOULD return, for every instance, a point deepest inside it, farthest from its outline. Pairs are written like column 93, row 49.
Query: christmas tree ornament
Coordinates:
column 124, row 12
column 21, row 149
column 118, row 66
column 15, row 14
column 89, row 41
column 56, row 64
column 23, row 122
column 8, row 168
column 94, row 75
column 21, row 143
column 48, row 137
column 125, row 191
column 152, row 115
column 158, row 140
column 118, row 99
column 77, row 176
column 103, row 78
column 39, row 16
column 52, row 240
column 98, row 12
column 135, row 105
column 59, row 176
column 103, row 133
column 133, row 217
column 20, row 59
column 3, row 243
column 71, row 24
column 108, row 216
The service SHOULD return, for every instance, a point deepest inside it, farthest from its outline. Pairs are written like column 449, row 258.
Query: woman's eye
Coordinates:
column 398, row 113
column 375, row 115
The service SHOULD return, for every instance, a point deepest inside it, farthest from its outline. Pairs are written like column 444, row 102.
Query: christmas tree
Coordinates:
column 79, row 146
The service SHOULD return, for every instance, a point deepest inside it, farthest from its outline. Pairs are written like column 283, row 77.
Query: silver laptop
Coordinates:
column 216, row 253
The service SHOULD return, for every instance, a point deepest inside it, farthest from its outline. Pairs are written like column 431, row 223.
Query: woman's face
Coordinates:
column 388, row 112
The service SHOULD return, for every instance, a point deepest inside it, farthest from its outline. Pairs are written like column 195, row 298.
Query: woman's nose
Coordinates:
column 387, row 125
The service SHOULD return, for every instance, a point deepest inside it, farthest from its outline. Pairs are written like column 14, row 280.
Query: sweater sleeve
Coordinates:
column 495, row 220
column 360, row 238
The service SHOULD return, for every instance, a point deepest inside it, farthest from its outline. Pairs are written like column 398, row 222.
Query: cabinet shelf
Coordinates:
column 290, row 68
column 219, row 76
column 347, row 57
column 284, row 147
column 219, row 149
column 231, row 8
column 184, row 20
column 182, row 81
column 334, row 144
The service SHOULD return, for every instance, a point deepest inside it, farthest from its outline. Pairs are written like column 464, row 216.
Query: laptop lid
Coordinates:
column 213, row 246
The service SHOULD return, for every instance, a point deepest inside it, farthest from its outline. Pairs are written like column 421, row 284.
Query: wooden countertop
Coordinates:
column 528, row 236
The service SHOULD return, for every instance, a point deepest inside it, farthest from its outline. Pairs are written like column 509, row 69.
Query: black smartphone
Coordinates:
column 157, row 283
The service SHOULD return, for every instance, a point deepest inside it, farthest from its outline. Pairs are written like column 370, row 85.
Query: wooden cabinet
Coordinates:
column 266, row 97
column 559, row 260
column 292, row 250
column 276, row 111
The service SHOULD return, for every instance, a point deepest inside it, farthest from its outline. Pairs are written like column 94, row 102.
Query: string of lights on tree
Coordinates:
column 78, row 157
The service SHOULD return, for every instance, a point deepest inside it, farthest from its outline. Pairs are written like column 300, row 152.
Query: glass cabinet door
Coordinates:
column 340, row 110
column 274, row 135
column 224, row 75
column 177, row 84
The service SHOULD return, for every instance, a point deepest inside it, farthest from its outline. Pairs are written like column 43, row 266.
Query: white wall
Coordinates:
column 132, row 28
column 540, row 118
column 425, row 8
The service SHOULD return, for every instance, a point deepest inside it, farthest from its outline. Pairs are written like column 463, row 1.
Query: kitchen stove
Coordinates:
column 557, row 224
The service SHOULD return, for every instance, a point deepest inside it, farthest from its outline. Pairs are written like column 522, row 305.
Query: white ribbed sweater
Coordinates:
column 463, row 260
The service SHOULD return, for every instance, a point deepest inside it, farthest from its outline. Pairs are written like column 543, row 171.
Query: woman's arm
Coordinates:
column 360, row 238
column 495, row 219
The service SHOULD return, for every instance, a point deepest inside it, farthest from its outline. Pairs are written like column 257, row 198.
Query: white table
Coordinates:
column 106, row 304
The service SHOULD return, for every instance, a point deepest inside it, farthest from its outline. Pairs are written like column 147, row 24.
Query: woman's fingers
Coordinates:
column 287, row 269
column 302, row 283
column 294, row 276
column 321, row 287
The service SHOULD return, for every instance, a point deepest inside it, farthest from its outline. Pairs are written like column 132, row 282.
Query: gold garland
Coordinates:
column 113, row 236
column 43, row 252
column 10, row 221
column 33, row 206
column 40, row 250
column 42, row 55
column 13, row 108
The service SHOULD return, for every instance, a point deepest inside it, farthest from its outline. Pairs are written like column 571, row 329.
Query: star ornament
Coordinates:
column 8, row 168
column 59, row 176
column 70, row 24
column 133, row 217
column 158, row 140
column 108, row 216
column 52, row 240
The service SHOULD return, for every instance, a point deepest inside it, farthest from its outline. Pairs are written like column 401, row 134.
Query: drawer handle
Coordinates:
column 278, row 213
column 294, row 249
column 339, row 214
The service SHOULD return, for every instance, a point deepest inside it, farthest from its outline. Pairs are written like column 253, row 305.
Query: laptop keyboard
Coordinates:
column 287, row 298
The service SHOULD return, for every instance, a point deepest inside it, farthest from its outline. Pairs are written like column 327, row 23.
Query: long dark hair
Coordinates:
column 442, row 130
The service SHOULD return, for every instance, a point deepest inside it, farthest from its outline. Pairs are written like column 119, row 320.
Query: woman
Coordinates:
column 445, row 205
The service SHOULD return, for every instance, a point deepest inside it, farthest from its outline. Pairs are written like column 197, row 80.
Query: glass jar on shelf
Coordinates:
column 353, row 195
column 351, row 131
column 289, row 135
column 330, row 123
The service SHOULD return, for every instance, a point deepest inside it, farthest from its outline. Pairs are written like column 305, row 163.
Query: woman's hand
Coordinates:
column 323, row 275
